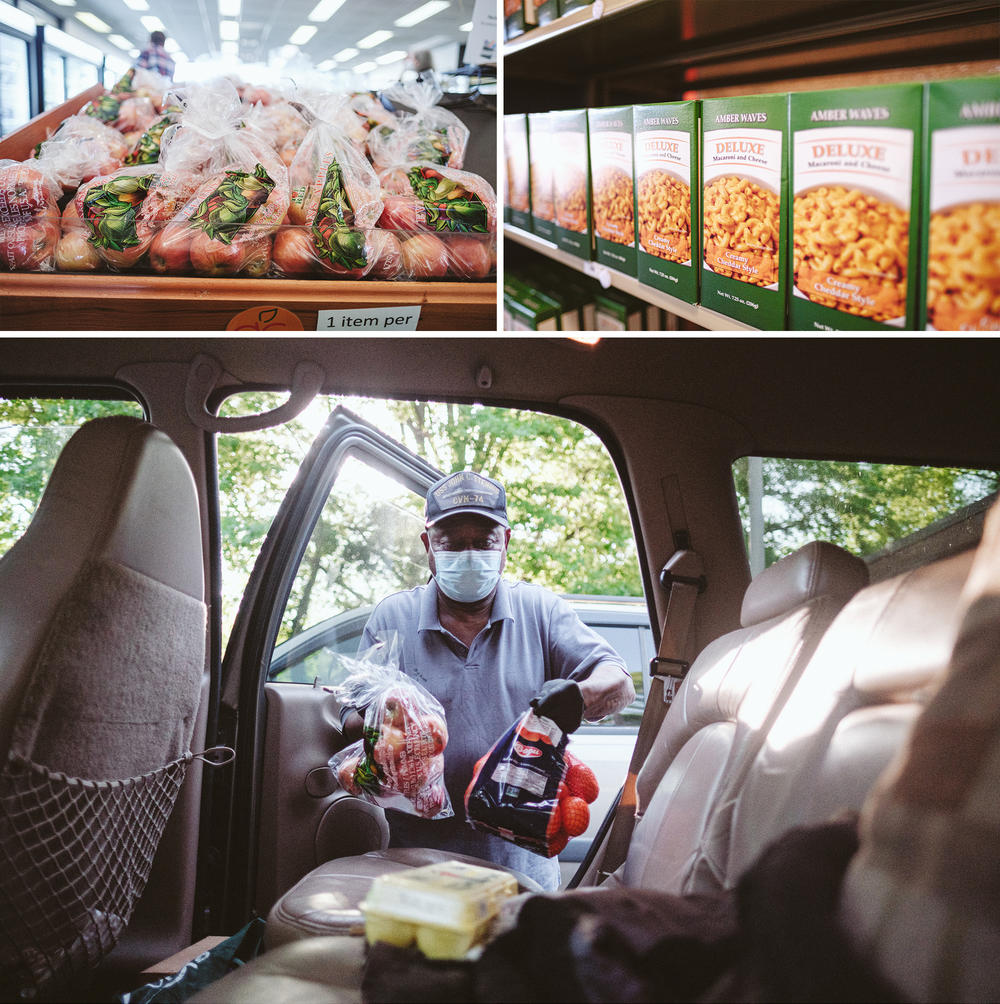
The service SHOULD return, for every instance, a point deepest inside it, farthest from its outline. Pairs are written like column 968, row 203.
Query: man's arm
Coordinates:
column 607, row 690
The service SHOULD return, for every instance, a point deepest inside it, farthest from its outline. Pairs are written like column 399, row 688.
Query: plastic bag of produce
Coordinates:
column 29, row 216
column 363, row 113
column 80, row 149
column 109, row 208
column 283, row 123
column 430, row 135
column 223, row 192
column 335, row 204
column 399, row 764
column 146, row 149
column 445, row 219
column 139, row 82
column 530, row 789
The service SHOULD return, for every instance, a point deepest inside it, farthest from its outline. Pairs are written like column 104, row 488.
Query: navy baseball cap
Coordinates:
column 466, row 492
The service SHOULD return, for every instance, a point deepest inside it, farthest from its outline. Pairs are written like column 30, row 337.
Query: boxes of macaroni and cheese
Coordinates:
column 744, row 206
column 516, row 154
column 543, row 211
column 526, row 309
column 611, row 183
column 855, row 207
column 665, row 149
column 615, row 310
column 960, row 222
column 571, row 174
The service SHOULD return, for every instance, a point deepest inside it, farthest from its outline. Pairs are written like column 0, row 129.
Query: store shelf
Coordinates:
column 46, row 301
column 608, row 277
column 630, row 51
column 148, row 302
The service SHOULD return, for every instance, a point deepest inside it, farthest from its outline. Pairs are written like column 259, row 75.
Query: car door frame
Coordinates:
column 235, row 803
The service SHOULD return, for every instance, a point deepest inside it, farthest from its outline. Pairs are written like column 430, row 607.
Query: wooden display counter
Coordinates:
column 58, row 301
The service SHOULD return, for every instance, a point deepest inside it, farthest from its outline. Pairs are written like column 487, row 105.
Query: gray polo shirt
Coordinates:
column 532, row 636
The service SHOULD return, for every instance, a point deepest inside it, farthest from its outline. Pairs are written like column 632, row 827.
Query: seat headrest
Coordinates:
column 815, row 569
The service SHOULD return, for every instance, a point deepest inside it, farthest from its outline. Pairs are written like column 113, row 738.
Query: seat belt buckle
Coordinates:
column 675, row 669
column 668, row 578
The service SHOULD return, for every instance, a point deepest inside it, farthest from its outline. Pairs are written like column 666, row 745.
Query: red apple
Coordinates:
column 469, row 257
column 385, row 255
column 424, row 257
column 28, row 247
column 293, row 252
column 257, row 259
column 171, row 249
column 401, row 212
column 213, row 257
column 25, row 191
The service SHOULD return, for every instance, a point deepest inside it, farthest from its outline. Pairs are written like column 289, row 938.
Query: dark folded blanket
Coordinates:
column 775, row 938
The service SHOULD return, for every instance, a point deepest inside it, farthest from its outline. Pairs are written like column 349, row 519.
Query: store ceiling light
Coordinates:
column 152, row 23
column 231, row 49
column 121, row 41
column 421, row 13
column 396, row 56
column 465, row 27
column 136, row 4
column 325, row 9
column 366, row 67
column 229, row 31
column 375, row 38
column 92, row 21
column 230, row 8
column 345, row 55
column 65, row 3
column 327, row 64
column 302, row 34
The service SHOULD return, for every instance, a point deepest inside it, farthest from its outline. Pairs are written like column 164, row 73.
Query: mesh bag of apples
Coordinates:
column 399, row 762
column 530, row 789
column 203, row 183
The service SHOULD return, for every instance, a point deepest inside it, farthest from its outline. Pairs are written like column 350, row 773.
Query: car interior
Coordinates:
column 834, row 680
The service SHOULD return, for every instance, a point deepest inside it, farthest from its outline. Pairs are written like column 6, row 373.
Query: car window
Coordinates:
column 865, row 508
column 33, row 431
column 572, row 531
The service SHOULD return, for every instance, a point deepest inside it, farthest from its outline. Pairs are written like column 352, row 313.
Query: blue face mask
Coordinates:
column 467, row 576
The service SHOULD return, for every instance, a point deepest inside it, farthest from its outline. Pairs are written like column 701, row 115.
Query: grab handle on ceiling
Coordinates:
column 203, row 377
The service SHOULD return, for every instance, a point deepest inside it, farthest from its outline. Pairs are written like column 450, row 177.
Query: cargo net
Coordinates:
column 75, row 855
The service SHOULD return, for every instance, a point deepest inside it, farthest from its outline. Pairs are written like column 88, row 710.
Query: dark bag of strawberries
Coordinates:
column 529, row 788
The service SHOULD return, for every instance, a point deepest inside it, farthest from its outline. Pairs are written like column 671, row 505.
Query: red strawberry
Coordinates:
column 575, row 815
column 582, row 781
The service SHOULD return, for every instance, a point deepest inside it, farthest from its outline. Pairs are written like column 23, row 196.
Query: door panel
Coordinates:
column 346, row 534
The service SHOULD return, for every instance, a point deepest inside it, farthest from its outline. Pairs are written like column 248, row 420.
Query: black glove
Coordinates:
column 562, row 701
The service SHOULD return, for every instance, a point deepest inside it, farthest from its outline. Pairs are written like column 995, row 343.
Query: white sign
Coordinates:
column 481, row 45
column 369, row 319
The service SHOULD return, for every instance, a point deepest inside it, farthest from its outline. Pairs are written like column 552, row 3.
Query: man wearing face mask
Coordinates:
column 487, row 648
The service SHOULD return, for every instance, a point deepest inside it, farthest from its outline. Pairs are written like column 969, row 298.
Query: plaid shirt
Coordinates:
column 157, row 59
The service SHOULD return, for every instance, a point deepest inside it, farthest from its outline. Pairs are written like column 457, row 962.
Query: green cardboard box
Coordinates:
column 543, row 212
column 515, row 144
column 960, row 222
column 856, row 207
column 744, row 204
column 668, row 234
column 615, row 310
column 525, row 309
column 571, row 173
column 612, row 187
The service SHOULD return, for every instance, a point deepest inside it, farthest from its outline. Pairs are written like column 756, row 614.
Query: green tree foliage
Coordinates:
column 32, row 433
column 862, row 507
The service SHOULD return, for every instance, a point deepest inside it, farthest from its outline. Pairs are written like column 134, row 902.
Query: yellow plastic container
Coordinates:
column 445, row 908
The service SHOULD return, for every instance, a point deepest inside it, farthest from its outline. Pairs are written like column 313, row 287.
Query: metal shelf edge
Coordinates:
column 708, row 319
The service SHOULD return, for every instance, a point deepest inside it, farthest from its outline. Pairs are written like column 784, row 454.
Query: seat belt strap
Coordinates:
column 684, row 576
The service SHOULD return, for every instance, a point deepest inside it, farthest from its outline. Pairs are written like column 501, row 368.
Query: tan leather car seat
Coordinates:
column 102, row 653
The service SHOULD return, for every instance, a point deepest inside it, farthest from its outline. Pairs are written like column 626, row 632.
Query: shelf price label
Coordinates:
column 369, row 319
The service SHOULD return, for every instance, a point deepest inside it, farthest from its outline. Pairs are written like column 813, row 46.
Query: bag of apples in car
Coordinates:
column 530, row 789
column 399, row 762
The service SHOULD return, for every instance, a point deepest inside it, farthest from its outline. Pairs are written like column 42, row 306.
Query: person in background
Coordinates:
column 487, row 649
column 155, row 57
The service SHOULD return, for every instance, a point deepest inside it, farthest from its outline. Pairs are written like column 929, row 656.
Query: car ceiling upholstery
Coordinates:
column 909, row 400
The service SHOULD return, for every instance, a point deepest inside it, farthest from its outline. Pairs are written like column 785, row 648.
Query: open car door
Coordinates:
column 346, row 534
